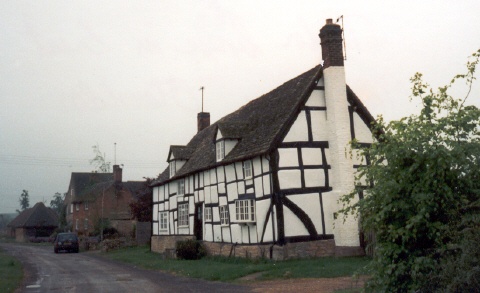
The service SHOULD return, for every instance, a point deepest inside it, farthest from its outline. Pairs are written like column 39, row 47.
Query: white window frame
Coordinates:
column 85, row 224
column 85, row 204
column 71, row 208
column 208, row 214
column 224, row 216
column 163, row 221
column 181, row 186
column 172, row 168
column 77, row 206
column 220, row 150
column 245, row 210
column 247, row 169
column 183, row 217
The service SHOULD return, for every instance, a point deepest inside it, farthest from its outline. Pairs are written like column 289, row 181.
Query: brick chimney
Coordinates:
column 117, row 174
column 331, row 42
column 203, row 121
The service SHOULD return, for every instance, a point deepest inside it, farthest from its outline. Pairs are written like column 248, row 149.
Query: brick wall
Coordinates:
column 163, row 244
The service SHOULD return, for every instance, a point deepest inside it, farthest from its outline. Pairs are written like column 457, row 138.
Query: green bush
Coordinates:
column 190, row 249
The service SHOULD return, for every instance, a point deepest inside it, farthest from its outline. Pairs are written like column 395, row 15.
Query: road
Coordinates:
column 46, row 271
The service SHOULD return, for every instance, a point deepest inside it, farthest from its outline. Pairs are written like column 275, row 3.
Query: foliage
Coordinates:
column 99, row 160
column 11, row 272
column 423, row 177
column 229, row 269
column 190, row 249
column 101, row 224
column 24, row 201
column 141, row 209
column 57, row 203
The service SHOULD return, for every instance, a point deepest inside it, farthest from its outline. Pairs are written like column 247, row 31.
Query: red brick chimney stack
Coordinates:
column 117, row 173
column 203, row 121
column 331, row 42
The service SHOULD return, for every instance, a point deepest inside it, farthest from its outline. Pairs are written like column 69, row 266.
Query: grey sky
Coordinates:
column 77, row 73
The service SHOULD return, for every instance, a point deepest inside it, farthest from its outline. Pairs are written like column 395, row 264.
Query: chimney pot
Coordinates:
column 332, row 46
column 329, row 21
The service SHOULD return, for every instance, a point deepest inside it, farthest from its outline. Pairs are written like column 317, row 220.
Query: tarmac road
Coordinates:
column 46, row 271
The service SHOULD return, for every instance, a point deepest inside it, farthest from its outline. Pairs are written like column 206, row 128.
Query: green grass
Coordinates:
column 230, row 269
column 10, row 271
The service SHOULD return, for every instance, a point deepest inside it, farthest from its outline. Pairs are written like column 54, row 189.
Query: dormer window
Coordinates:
column 172, row 168
column 220, row 150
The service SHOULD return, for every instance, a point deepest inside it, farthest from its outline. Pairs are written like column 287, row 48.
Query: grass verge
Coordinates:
column 231, row 269
column 10, row 271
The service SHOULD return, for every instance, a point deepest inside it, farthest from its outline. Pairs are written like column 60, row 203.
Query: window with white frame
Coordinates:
column 71, row 208
column 181, row 187
column 183, row 215
column 86, row 205
column 245, row 210
column 220, row 150
column 208, row 214
column 224, row 216
column 172, row 168
column 77, row 206
column 247, row 169
column 85, row 224
column 163, row 221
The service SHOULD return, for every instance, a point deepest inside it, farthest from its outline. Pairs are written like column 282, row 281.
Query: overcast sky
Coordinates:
column 74, row 74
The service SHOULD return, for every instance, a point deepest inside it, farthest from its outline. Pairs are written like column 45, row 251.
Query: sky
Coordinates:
column 74, row 74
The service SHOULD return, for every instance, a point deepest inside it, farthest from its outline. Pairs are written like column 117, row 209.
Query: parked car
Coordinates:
column 66, row 242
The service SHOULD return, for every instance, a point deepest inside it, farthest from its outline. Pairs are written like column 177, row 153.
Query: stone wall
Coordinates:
column 164, row 244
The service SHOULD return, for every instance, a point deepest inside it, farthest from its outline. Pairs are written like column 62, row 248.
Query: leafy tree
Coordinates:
column 141, row 209
column 423, row 195
column 99, row 160
column 24, row 201
column 58, row 205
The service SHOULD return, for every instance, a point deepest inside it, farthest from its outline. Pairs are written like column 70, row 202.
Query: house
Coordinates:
column 93, row 196
column 38, row 221
column 264, row 181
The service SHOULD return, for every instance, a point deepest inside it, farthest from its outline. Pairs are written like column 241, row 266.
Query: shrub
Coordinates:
column 190, row 249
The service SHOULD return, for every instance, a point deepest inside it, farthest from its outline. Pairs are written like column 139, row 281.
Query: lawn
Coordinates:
column 10, row 271
column 230, row 269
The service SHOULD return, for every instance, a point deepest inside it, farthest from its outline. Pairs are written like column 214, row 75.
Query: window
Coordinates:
column 77, row 206
column 220, row 150
column 86, row 205
column 183, row 215
column 163, row 216
column 76, row 224
column 247, row 169
column 245, row 210
column 181, row 187
column 172, row 168
column 71, row 208
column 208, row 214
column 224, row 217
column 85, row 224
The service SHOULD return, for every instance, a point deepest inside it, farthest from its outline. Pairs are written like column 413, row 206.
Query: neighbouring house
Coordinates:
column 264, row 181
column 100, row 200
column 35, row 222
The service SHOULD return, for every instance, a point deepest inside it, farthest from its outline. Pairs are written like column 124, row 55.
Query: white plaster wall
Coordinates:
column 155, row 212
column 206, row 178
column 222, row 200
column 310, row 204
column 265, row 165
column 155, row 229
column 229, row 145
column 288, row 157
column 216, row 214
column 257, row 166
column 239, row 170
column 221, row 188
column 299, row 129
column 173, row 202
column 258, row 187
column 161, row 207
column 208, row 198
column 220, row 174
column 293, row 226
column 217, row 233
column 241, row 187
column 311, row 156
column 266, row 185
column 362, row 132
column 236, row 233
column 314, row 177
column 226, row 234
column 230, row 171
column 232, row 191
column 213, row 176
column 244, row 233
column 358, row 158
column 316, row 99
column 261, row 207
column 214, row 194
column 289, row 179
column 319, row 125
column 253, row 233
column 346, row 234
column 219, row 135
column 179, row 164
column 207, row 231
